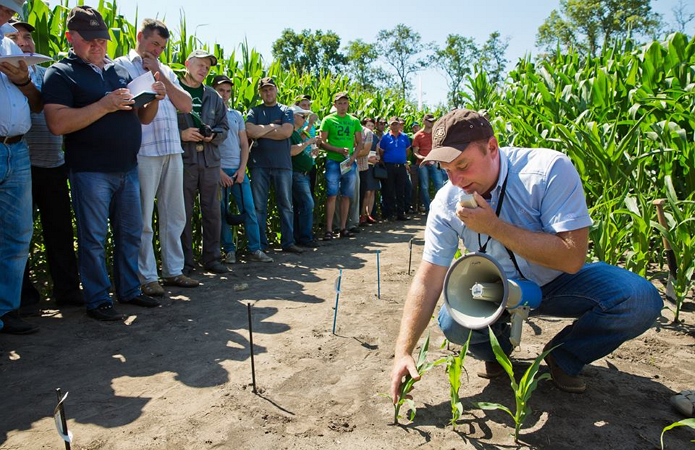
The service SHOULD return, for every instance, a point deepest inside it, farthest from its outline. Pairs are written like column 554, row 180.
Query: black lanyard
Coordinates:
column 483, row 247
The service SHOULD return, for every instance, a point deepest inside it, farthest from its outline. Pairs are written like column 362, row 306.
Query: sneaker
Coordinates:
column 104, row 312
column 216, row 267
column 13, row 324
column 259, row 256
column 142, row 300
column 153, row 289
column 230, row 258
column 292, row 249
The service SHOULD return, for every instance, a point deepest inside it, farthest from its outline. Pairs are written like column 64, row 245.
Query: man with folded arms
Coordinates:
column 271, row 124
column 50, row 194
column 160, row 167
column 86, row 100
column 18, row 97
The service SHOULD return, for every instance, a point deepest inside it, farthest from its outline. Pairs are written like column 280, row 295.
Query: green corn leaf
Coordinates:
column 683, row 423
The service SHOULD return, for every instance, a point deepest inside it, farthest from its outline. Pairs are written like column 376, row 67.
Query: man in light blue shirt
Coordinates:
column 18, row 98
column 543, row 225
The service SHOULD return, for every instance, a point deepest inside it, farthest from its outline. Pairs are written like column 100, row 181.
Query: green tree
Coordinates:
column 589, row 24
column 400, row 48
column 362, row 65
column 492, row 57
column 309, row 52
column 455, row 60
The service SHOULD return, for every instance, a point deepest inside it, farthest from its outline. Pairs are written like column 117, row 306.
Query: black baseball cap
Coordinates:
column 267, row 81
column 302, row 97
column 221, row 79
column 15, row 22
column 428, row 118
column 454, row 131
column 88, row 22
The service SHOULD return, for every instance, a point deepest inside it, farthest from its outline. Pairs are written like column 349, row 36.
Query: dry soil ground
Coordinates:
column 178, row 377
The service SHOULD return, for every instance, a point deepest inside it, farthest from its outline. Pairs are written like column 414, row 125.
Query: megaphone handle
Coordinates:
column 518, row 316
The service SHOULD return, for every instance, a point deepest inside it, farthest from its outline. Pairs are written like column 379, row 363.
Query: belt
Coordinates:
column 11, row 139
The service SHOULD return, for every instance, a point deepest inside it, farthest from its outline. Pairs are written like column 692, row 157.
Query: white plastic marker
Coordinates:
column 337, row 296
column 378, row 276
column 61, row 423
column 410, row 256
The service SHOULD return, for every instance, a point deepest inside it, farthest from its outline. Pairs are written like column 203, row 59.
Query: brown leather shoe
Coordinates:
column 564, row 381
column 181, row 281
column 153, row 289
column 492, row 369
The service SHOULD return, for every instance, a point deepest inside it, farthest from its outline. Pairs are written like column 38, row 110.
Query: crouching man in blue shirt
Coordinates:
column 544, row 222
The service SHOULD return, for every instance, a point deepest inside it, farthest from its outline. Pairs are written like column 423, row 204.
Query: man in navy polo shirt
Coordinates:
column 393, row 148
column 87, row 101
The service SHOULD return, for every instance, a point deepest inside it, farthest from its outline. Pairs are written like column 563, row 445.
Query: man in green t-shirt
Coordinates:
column 302, row 163
column 341, row 133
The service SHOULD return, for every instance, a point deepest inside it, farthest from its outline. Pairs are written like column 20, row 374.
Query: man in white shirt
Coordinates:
column 160, row 167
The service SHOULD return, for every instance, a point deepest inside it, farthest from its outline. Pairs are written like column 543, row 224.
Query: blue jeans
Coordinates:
column 611, row 305
column 245, row 204
column 98, row 198
column 16, row 224
column 304, row 207
column 261, row 178
column 425, row 172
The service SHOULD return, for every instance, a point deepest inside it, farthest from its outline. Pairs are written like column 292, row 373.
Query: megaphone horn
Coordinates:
column 477, row 292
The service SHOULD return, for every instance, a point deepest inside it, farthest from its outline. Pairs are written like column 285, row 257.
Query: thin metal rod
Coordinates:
column 337, row 296
column 253, row 366
column 410, row 256
column 378, row 276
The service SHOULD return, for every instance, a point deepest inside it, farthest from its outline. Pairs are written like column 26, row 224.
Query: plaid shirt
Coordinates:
column 368, row 139
column 161, row 137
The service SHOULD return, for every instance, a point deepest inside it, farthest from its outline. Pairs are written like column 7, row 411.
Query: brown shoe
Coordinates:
column 153, row 289
column 492, row 369
column 565, row 382
column 181, row 281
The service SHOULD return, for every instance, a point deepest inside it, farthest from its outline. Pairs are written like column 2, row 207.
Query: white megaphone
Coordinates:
column 477, row 292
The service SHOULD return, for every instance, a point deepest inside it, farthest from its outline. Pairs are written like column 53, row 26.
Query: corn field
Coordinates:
column 626, row 118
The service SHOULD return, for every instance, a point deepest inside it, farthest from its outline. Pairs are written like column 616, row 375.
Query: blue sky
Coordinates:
column 229, row 22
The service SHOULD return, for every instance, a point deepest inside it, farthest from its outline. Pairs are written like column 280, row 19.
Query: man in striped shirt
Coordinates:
column 160, row 167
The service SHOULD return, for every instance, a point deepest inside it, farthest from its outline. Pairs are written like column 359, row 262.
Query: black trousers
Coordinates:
column 49, row 188
column 393, row 190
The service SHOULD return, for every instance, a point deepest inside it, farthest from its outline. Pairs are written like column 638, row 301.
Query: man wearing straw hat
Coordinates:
column 18, row 97
column 532, row 212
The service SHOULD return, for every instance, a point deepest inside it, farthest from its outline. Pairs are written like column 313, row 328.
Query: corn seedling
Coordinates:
column 680, row 234
column 683, row 423
column 522, row 390
column 422, row 367
column 454, row 366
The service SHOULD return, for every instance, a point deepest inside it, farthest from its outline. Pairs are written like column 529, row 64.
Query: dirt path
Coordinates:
column 178, row 377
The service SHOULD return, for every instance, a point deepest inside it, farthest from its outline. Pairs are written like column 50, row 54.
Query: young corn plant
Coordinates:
column 683, row 423
column 454, row 365
column 681, row 236
column 522, row 390
column 422, row 367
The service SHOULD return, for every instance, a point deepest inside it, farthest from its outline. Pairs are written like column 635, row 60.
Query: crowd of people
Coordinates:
column 74, row 139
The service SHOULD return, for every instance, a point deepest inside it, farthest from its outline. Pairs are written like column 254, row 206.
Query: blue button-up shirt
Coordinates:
column 544, row 194
column 15, row 118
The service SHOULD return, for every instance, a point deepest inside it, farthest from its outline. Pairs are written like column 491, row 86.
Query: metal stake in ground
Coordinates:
column 61, row 423
column 337, row 296
column 253, row 367
column 410, row 256
column 378, row 276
